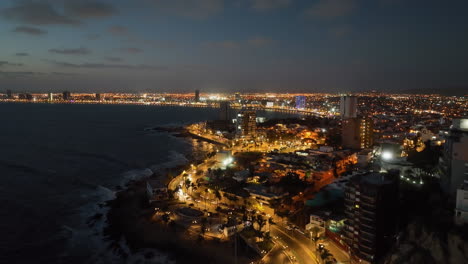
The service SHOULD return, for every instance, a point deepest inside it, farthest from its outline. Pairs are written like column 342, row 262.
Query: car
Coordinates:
column 289, row 228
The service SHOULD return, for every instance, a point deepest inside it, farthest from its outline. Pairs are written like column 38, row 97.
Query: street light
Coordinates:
column 387, row 155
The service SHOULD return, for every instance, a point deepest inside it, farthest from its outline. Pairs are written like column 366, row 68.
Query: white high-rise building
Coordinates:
column 454, row 161
column 348, row 106
column 461, row 208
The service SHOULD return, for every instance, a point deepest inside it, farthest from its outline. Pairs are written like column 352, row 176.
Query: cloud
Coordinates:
column 108, row 66
column 89, row 9
column 113, row 59
column 17, row 73
column 7, row 63
column 195, row 9
column 270, row 4
column 131, row 50
column 29, row 30
column 227, row 44
column 330, row 9
column 93, row 36
column 77, row 51
column 341, row 31
column 117, row 30
column 36, row 13
column 259, row 41
column 21, row 54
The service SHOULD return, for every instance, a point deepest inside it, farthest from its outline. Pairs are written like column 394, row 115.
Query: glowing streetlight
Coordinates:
column 387, row 155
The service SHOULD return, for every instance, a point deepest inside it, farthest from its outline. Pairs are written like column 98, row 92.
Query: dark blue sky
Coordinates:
column 237, row 45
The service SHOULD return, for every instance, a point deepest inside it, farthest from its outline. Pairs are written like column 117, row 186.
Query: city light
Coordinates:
column 387, row 155
column 228, row 161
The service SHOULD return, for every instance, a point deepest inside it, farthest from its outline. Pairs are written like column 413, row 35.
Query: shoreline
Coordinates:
column 129, row 217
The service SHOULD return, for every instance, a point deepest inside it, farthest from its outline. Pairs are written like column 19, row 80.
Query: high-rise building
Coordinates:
column 357, row 133
column 300, row 102
column 461, row 208
column 98, row 97
column 50, row 96
column 9, row 94
column 348, row 107
column 454, row 161
column 246, row 124
column 371, row 205
column 66, row 95
column 25, row 96
column 224, row 111
column 197, row 96
column 238, row 97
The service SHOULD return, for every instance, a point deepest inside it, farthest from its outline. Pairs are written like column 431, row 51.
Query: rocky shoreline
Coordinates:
column 130, row 218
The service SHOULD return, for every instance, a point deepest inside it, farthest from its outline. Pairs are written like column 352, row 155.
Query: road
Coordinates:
column 303, row 251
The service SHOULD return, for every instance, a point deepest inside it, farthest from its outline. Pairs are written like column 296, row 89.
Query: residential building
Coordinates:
column 246, row 124
column 9, row 94
column 66, row 95
column 98, row 97
column 371, row 204
column 300, row 102
column 238, row 97
column 348, row 107
column 461, row 208
column 357, row 133
column 224, row 111
column 197, row 96
column 453, row 164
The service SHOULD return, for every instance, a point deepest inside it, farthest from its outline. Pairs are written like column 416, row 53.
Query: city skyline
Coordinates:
column 228, row 46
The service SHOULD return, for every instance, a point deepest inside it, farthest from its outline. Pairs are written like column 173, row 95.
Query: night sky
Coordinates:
column 243, row 45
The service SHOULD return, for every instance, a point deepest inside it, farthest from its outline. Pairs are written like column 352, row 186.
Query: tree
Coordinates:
column 166, row 218
column 218, row 196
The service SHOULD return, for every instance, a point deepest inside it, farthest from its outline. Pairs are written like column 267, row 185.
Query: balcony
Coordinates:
column 365, row 211
column 367, row 229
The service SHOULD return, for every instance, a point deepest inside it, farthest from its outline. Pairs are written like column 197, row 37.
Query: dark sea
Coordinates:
column 60, row 163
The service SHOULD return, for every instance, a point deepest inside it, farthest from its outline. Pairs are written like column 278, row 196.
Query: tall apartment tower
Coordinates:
column 454, row 161
column 224, row 111
column 238, row 96
column 98, row 97
column 197, row 96
column 9, row 94
column 50, row 97
column 357, row 133
column 348, row 107
column 246, row 124
column 66, row 95
column 461, row 207
column 371, row 205
column 300, row 102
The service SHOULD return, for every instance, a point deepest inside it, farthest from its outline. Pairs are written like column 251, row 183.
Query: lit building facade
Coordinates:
column 357, row 133
column 461, row 208
column 224, row 111
column 348, row 107
column 371, row 204
column 300, row 102
column 197, row 96
column 453, row 164
column 246, row 124
column 66, row 95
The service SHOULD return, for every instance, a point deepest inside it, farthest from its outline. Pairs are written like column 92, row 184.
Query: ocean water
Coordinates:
column 60, row 163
